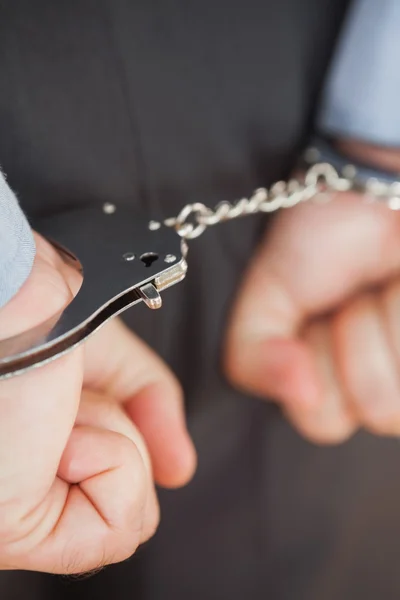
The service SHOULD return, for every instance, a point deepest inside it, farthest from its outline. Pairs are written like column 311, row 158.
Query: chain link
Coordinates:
column 319, row 181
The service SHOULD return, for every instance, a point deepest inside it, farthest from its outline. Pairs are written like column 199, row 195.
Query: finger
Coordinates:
column 367, row 366
column 95, row 510
column 135, row 376
column 36, row 417
column 330, row 422
column 35, row 403
column 390, row 301
column 272, row 363
column 36, row 414
column 103, row 413
column 314, row 258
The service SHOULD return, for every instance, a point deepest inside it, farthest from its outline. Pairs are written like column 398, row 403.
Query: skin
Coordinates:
column 316, row 325
column 78, row 461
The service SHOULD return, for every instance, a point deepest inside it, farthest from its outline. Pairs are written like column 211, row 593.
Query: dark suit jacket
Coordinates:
column 156, row 103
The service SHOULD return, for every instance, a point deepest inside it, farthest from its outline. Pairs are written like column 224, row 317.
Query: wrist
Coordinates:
column 371, row 155
column 333, row 164
column 47, row 290
column 368, row 168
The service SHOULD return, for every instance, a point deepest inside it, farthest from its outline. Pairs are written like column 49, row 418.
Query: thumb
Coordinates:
column 120, row 365
column 315, row 257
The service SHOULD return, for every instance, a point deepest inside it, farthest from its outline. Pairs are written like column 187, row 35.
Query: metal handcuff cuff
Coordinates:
column 155, row 257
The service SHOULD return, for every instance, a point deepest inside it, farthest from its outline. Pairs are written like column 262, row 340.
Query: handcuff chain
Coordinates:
column 319, row 181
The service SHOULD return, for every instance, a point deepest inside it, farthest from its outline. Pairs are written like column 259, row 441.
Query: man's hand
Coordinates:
column 76, row 475
column 317, row 322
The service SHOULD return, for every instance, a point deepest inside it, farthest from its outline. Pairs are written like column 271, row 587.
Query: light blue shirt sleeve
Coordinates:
column 17, row 246
column 362, row 93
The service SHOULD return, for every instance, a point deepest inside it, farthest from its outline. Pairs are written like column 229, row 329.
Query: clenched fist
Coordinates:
column 317, row 322
column 83, row 438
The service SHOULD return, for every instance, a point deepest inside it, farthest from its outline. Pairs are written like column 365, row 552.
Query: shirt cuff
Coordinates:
column 17, row 245
column 361, row 96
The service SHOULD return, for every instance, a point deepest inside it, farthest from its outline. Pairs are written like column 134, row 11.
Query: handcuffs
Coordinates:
column 127, row 259
column 123, row 258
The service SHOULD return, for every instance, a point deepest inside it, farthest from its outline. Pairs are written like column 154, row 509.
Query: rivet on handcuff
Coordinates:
column 127, row 260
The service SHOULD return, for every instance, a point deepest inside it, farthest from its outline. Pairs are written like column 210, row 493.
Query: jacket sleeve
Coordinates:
column 17, row 247
column 361, row 96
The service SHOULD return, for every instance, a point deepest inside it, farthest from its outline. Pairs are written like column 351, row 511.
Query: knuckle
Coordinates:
column 329, row 433
column 136, row 482
column 132, row 459
column 126, row 540
column 118, row 544
column 126, row 548
column 116, row 547
column 377, row 410
column 383, row 426
column 378, row 414
column 151, row 523
column 331, row 436
column 84, row 564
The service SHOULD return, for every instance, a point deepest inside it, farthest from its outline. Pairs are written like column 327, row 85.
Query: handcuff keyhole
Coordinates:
column 148, row 258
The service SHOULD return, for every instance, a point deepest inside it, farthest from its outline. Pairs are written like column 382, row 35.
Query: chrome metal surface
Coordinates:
column 129, row 256
column 111, row 281
column 150, row 296
column 154, row 225
column 108, row 208
column 114, row 280
column 319, row 179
